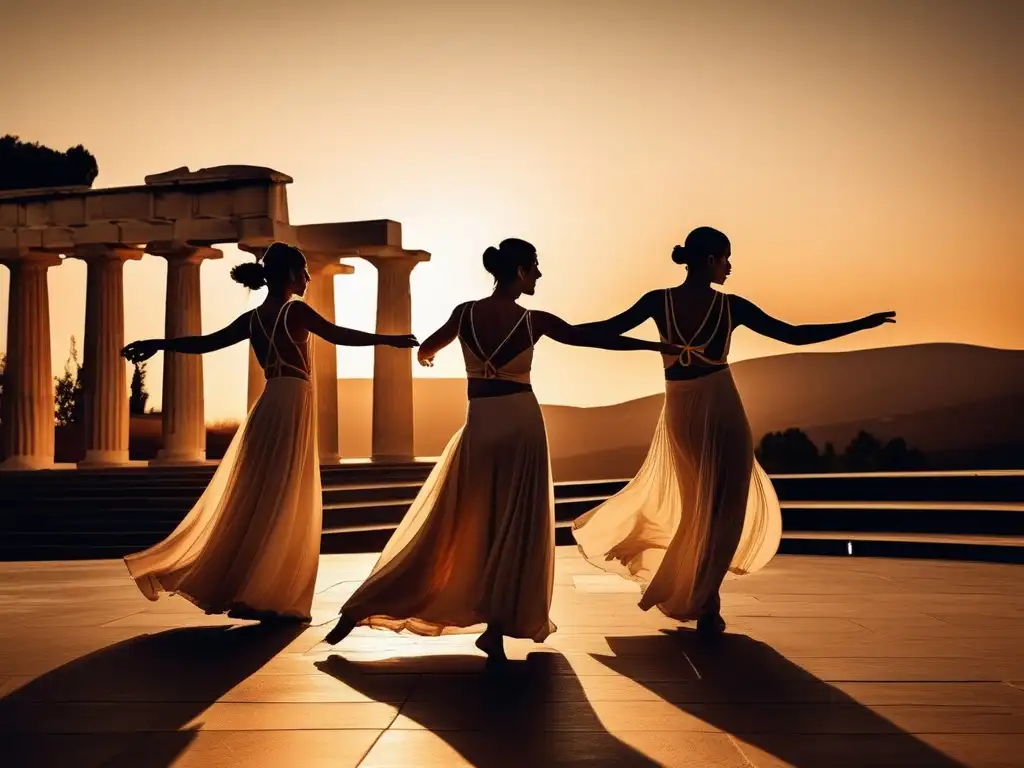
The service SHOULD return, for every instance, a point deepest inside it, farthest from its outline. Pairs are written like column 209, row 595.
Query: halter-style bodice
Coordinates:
column 275, row 364
column 515, row 369
column 715, row 330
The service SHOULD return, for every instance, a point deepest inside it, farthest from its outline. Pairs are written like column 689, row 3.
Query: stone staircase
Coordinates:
column 86, row 514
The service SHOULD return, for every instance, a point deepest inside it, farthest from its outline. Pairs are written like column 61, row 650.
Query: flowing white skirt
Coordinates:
column 477, row 545
column 700, row 505
column 251, row 544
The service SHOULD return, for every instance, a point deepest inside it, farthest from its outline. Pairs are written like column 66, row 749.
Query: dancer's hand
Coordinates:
column 426, row 362
column 879, row 318
column 138, row 351
column 405, row 341
column 666, row 348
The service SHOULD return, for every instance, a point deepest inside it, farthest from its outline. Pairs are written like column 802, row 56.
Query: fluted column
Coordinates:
column 105, row 385
column 28, row 381
column 183, row 413
column 320, row 296
column 392, row 439
column 256, row 380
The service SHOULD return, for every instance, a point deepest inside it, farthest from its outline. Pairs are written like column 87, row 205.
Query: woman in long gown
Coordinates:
column 251, row 544
column 477, row 545
column 700, row 505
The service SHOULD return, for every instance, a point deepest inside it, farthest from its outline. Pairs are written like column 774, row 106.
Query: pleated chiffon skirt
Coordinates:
column 477, row 545
column 700, row 505
column 251, row 543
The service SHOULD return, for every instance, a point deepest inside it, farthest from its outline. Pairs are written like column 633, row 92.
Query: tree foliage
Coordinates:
column 139, row 396
column 68, row 399
column 25, row 165
column 792, row 451
column 789, row 451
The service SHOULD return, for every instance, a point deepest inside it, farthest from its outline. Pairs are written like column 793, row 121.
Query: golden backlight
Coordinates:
column 861, row 158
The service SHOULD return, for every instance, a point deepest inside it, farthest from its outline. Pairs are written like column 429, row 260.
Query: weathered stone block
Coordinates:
column 140, row 232
column 69, row 211
column 205, row 231
column 252, row 201
column 350, row 234
column 216, row 204
column 36, row 214
column 30, row 238
column 11, row 215
column 58, row 237
column 262, row 232
column 119, row 205
column 278, row 210
column 97, row 232
column 173, row 205
column 8, row 239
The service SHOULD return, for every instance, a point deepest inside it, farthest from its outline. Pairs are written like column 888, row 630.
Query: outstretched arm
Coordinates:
column 237, row 331
column 440, row 338
column 307, row 317
column 624, row 321
column 546, row 324
column 752, row 316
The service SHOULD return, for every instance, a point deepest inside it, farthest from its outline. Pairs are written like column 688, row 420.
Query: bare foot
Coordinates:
column 341, row 630
column 492, row 644
column 711, row 624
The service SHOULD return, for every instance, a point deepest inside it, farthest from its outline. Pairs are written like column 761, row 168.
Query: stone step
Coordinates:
column 998, row 549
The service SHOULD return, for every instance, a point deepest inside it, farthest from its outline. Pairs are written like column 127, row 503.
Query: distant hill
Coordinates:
column 944, row 398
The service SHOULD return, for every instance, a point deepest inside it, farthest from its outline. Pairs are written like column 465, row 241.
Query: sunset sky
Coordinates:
column 862, row 156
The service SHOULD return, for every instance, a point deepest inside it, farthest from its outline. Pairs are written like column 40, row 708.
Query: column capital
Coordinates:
column 29, row 258
column 324, row 263
column 255, row 250
column 389, row 257
column 97, row 252
column 183, row 252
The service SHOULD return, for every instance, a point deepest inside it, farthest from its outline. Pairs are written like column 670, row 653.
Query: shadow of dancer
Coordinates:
column 531, row 712
column 137, row 703
column 750, row 691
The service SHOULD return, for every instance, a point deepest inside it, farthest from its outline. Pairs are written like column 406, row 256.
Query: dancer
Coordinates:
column 251, row 544
column 700, row 504
column 477, row 545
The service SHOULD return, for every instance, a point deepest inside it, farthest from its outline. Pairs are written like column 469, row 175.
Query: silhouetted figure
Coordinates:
column 700, row 504
column 251, row 544
column 477, row 545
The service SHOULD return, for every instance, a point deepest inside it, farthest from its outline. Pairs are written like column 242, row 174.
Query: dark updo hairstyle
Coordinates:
column 700, row 244
column 279, row 265
column 505, row 261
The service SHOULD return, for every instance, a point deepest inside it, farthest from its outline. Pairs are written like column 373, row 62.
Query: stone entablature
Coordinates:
column 179, row 215
column 216, row 205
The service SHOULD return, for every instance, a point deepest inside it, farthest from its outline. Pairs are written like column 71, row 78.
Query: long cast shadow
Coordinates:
column 532, row 712
column 133, row 703
column 749, row 690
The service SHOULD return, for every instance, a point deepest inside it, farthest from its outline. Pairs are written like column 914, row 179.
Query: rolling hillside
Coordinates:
column 940, row 397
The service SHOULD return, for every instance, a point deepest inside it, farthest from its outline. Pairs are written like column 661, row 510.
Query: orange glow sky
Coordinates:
column 862, row 156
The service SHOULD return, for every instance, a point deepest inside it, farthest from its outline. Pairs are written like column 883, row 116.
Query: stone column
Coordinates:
column 256, row 380
column 183, row 415
column 105, row 385
column 320, row 296
column 28, row 381
column 392, row 439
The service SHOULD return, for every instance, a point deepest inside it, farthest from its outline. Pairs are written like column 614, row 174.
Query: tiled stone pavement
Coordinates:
column 829, row 663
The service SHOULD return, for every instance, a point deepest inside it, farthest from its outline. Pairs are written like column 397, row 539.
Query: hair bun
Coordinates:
column 492, row 259
column 251, row 274
column 679, row 254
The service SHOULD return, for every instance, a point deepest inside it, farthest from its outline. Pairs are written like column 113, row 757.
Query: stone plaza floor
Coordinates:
column 828, row 662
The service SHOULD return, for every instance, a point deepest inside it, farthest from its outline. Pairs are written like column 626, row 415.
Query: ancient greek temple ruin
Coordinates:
column 181, row 216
